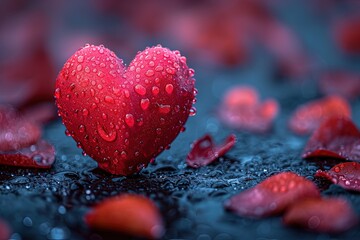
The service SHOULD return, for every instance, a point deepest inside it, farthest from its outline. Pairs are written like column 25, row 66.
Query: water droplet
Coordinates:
column 158, row 131
column 99, row 86
column 164, row 109
column 195, row 92
column 80, row 59
column 336, row 169
column 169, row 88
column 144, row 103
column 129, row 119
column 79, row 67
column 92, row 92
column 170, row 70
column 109, row 137
column 139, row 89
column 85, row 112
column 87, row 69
column 159, row 68
column 182, row 129
column 67, row 133
column 101, row 50
column 104, row 116
column 109, row 99
column 155, row 90
column 191, row 72
column 151, row 63
column 150, row 73
column 81, row 128
column 57, row 93
column 126, row 93
column 192, row 111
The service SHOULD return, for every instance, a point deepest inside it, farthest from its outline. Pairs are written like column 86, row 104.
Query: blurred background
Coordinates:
column 291, row 40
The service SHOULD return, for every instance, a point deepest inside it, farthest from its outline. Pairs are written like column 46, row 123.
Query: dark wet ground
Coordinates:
column 50, row 204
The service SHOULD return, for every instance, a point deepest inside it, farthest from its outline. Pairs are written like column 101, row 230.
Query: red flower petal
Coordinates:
column 241, row 109
column 4, row 230
column 342, row 83
column 272, row 196
column 347, row 175
column 204, row 151
column 336, row 137
column 308, row 117
column 40, row 113
column 16, row 132
column 331, row 215
column 131, row 214
column 39, row 155
column 347, row 35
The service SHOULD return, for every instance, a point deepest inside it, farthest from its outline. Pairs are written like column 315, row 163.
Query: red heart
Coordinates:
column 124, row 117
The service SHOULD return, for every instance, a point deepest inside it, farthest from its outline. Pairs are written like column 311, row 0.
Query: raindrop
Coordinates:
column 151, row 63
column 159, row 68
column 87, row 69
column 109, row 99
column 155, row 90
column 67, row 133
column 81, row 128
column 129, row 119
column 144, row 103
column 80, row 59
column 126, row 93
column 192, row 111
column 164, row 109
column 169, row 88
column 191, row 72
column 85, row 112
column 57, row 93
column 79, row 67
column 149, row 73
column 170, row 70
column 104, row 116
column 109, row 137
column 158, row 131
column 139, row 89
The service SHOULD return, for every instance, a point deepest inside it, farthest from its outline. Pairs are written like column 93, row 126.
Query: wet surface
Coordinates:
column 50, row 204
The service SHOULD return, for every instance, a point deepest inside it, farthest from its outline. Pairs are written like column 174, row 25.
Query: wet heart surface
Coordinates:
column 124, row 117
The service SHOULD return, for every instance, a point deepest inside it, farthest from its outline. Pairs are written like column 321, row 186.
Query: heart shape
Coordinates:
column 123, row 117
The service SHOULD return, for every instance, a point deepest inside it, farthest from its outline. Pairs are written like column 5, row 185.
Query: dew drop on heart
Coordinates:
column 192, row 111
column 159, row 68
column 151, row 63
column 126, row 93
column 155, row 90
column 170, row 70
column 80, row 59
column 129, row 119
column 169, row 88
column 85, row 112
column 109, row 99
column 158, row 131
column 182, row 129
column 109, row 137
column 87, row 69
column 67, row 133
column 57, row 93
column 81, row 128
column 79, row 67
column 164, row 109
column 150, row 73
column 139, row 89
column 144, row 103
column 104, row 116
column 195, row 92
column 191, row 72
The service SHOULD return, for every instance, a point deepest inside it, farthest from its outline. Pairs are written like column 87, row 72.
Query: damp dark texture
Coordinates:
column 51, row 203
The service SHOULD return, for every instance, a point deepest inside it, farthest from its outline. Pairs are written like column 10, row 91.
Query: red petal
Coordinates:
column 342, row 83
column 272, row 196
column 241, row 109
column 332, row 215
column 347, row 175
column 40, row 113
column 336, row 137
column 347, row 34
column 308, row 117
column 4, row 230
column 130, row 214
column 204, row 151
column 16, row 132
column 39, row 155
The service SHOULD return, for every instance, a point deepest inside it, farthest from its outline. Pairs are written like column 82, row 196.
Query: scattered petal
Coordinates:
column 342, row 83
column 347, row 35
column 308, row 117
column 15, row 131
column 347, row 175
column 40, row 113
column 39, row 155
column 204, row 151
column 328, row 215
column 130, row 214
column 4, row 230
column 241, row 109
column 272, row 196
column 336, row 137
